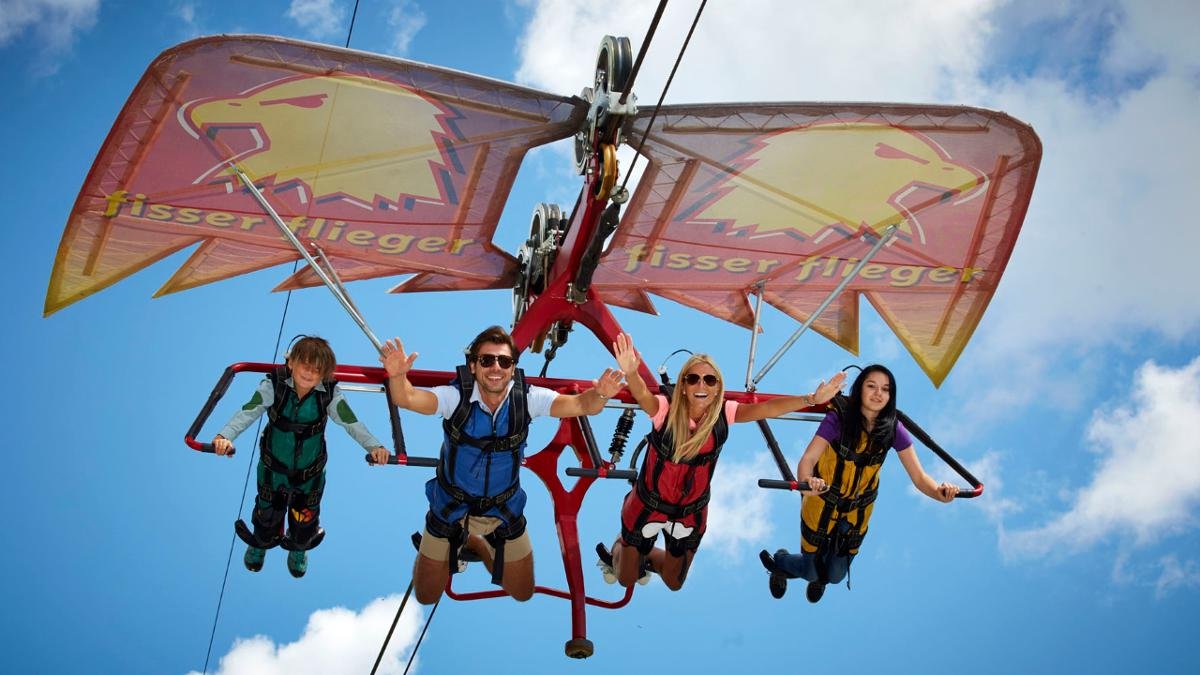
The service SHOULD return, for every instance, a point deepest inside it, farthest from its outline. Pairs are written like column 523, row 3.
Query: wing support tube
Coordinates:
column 883, row 239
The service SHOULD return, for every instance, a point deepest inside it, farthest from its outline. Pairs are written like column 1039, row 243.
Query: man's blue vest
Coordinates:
column 481, row 456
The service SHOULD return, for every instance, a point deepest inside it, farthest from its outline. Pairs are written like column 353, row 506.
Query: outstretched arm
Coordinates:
column 591, row 401
column 942, row 492
column 629, row 359
column 339, row 411
column 808, row 464
column 752, row 412
column 404, row 395
column 262, row 399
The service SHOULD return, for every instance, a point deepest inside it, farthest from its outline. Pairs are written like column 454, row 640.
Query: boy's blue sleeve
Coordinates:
column 339, row 411
column 262, row 399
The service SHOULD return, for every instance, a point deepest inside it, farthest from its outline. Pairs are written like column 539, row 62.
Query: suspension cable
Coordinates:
column 246, row 483
column 388, row 637
column 663, row 95
column 637, row 63
column 353, row 16
column 420, row 637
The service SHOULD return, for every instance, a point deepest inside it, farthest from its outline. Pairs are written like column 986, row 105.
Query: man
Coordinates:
column 475, row 500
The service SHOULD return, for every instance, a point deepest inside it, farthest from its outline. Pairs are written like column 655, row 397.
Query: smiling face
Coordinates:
column 876, row 392
column 704, row 391
column 493, row 379
column 305, row 375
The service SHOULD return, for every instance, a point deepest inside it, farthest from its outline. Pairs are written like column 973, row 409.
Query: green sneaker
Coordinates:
column 297, row 563
column 254, row 558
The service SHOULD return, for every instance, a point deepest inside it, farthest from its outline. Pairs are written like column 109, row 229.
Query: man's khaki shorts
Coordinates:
column 437, row 548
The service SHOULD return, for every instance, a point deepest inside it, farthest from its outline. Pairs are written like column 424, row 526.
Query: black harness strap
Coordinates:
column 518, row 416
column 844, row 537
column 497, row 539
column 512, row 442
column 300, row 431
column 663, row 445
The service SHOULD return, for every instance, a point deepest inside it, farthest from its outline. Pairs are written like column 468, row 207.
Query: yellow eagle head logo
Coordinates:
column 854, row 174
column 342, row 135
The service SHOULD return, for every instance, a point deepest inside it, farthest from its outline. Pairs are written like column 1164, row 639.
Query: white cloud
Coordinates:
column 765, row 50
column 405, row 19
column 739, row 514
column 1157, row 34
column 186, row 12
column 321, row 18
column 53, row 24
column 1147, row 481
column 335, row 640
column 994, row 502
column 1176, row 575
column 1107, row 231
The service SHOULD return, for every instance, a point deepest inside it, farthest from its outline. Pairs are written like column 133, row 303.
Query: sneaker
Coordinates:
column 254, row 558
column 297, row 563
column 814, row 591
column 605, row 564
column 777, row 583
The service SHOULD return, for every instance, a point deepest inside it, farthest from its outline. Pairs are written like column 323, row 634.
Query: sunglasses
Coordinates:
column 489, row 360
column 693, row 378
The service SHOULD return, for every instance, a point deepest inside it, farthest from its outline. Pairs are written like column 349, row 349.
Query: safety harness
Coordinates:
column 301, row 431
column 511, row 442
column 296, row 475
column 662, row 446
column 836, row 523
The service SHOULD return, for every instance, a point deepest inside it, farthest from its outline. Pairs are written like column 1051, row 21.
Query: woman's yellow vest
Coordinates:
column 839, row 517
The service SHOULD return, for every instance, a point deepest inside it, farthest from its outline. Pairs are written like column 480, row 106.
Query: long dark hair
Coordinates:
column 853, row 423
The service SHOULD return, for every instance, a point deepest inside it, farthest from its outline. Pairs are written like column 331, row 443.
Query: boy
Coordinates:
column 298, row 398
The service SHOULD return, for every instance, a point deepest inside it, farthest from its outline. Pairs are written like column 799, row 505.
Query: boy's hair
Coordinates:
column 494, row 335
column 316, row 352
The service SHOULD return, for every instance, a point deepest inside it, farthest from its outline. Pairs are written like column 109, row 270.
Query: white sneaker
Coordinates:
column 610, row 576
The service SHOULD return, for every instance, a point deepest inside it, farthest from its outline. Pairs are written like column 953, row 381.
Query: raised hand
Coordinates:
column 627, row 357
column 608, row 384
column 827, row 390
column 394, row 360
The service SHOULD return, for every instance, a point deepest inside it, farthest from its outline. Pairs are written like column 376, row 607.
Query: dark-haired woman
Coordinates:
column 841, row 466
column 672, row 488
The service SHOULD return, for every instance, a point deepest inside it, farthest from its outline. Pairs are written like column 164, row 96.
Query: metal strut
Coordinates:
column 884, row 238
column 759, row 288
column 338, row 290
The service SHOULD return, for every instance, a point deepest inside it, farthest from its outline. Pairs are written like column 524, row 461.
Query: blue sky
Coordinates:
column 1075, row 403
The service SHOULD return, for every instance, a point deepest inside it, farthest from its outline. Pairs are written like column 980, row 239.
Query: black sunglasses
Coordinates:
column 693, row 378
column 489, row 360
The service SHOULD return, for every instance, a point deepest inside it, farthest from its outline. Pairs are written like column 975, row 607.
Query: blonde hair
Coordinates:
column 688, row 444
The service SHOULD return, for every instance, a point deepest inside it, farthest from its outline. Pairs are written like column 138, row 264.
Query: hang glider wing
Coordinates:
column 391, row 166
column 793, row 195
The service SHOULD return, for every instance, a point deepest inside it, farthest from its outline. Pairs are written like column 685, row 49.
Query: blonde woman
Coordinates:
column 672, row 488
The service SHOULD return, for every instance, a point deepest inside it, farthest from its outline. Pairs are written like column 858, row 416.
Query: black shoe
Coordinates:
column 605, row 564
column 777, row 583
column 814, row 591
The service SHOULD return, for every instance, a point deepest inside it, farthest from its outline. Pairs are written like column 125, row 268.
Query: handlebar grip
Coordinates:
column 205, row 447
column 627, row 474
column 969, row 493
column 776, row 484
column 406, row 460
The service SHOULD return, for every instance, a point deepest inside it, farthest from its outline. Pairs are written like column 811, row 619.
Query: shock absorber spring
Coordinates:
column 621, row 435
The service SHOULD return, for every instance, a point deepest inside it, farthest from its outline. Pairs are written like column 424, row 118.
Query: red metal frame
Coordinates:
column 551, row 306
